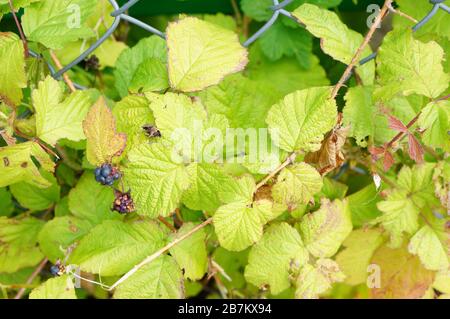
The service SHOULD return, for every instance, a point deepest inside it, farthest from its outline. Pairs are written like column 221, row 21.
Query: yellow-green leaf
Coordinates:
column 201, row 54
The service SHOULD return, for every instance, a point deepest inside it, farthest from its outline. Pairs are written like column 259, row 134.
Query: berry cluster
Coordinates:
column 106, row 174
column 57, row 269
column 123, row 202
column 92, row 63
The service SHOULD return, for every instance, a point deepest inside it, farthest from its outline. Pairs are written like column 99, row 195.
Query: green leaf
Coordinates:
column 103, row 142
column 201, row 54
column 297, row 184
column 6, row 203
column 284, row 76
column 359, row 112
column 324, row 230
column 402, row 206
column 337, row 40
column 315, row 280
column 206, row 183
column 113, row 247
column 18, row 243
column 358, row 249
column 435, row 120
column 238, row 226
column 272, row 258
column 241, row 190
column 409, row 66
column 236, row 97
column 16, row 164
column 59, row 233
column 431, row 250
column 134, row 59
column 289, row 42
column 161, row 279
column 55, row 24
column 36, row 198
column 438, row 25
column 399, row 215
column 12, row 63
column 363, row 205
column 56, row 117
column 4, row 5
column 190, row 254
column 90, row 201
column 302, row 118
column 55, row 288
column 131, row 114
column 151, row 75
column 156, row 180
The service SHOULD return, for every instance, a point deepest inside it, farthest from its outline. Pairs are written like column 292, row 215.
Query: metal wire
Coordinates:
column 277, row 8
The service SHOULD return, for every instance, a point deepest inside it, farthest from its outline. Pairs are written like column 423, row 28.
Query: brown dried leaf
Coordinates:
column 330, row 155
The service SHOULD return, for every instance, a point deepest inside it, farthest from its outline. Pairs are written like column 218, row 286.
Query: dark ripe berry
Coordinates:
column 92, row 63
column 54, row 270
column 57, row 269
column 123, row 203
column 151, row 131
column 107, row 174
column 106, row 170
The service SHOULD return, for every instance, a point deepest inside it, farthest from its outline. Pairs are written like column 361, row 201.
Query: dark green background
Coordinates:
column 157, row 7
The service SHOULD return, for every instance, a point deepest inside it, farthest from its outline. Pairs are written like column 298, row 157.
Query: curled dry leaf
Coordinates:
column 330, row 155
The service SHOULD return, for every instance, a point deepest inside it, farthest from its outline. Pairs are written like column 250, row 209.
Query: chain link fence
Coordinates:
column 278, row 9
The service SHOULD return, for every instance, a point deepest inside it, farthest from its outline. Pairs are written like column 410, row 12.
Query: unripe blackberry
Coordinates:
column 123, row 202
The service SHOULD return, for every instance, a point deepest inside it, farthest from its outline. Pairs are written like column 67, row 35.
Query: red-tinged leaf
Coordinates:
column 388, row 160
column 415, row 149
column 396, row 124
column 375, row 152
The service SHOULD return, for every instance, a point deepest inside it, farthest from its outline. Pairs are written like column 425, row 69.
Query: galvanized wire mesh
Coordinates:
column 278, row 9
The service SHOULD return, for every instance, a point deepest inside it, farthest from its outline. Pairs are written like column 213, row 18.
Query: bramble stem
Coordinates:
column 157, row 254
column 65, row 76
column 19, row 26
column 31, row 278
column 361, row 48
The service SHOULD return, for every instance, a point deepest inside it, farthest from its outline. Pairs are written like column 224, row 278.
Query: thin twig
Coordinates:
column 402, row 14
column 361, row 48
column 291, row 158
column 237, row 12
column 30, row 279
column 167, row 224
column 154, row 256
column 65, row 76
column 19, row 26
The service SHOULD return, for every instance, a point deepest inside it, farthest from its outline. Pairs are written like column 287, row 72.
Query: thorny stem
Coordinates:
column 65, row 76
column 19, row 26
column 38, row 141
column 31, row 278
column 151, row 258
column 361, row 48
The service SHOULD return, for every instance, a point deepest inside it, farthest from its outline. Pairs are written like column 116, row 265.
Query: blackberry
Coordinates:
column 151, row 131
column 57, row 269
column 123, row 202
column 92, row 63
column 106, row 174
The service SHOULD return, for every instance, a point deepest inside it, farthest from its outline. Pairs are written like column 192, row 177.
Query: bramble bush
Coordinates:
column 206, row 162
